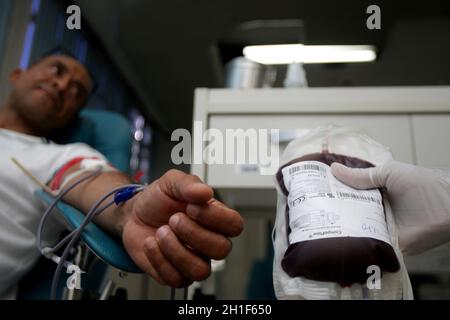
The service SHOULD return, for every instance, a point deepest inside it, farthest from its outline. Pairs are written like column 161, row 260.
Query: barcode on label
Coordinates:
column 306, row 166
column 354, row 196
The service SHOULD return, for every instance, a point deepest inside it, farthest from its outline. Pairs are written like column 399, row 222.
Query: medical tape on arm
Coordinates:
column 86, row 165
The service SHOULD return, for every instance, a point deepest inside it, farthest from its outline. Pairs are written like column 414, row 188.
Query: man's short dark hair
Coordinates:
column 59, row 50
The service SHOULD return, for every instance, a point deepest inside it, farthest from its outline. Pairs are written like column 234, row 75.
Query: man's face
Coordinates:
column 50, row 93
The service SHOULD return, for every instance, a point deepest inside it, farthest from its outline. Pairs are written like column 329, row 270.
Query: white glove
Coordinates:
column 420, row 200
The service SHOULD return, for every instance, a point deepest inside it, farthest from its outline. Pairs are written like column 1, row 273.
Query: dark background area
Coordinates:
column 171, row 47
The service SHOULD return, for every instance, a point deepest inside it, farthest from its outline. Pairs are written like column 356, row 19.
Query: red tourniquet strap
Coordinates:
column 57, row 179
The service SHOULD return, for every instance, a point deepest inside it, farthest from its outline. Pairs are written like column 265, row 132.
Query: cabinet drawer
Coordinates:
column 390, row 130
column 431, row 136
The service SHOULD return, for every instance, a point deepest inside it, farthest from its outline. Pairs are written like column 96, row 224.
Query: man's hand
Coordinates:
column 420, row 200
column 174, row 227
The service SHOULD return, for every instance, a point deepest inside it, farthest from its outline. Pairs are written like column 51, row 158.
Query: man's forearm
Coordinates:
column 87, row 193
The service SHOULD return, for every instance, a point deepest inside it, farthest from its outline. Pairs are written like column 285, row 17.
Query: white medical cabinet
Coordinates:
column 414, row 122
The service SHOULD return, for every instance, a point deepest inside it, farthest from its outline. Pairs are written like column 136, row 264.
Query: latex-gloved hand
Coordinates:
column 420, row 200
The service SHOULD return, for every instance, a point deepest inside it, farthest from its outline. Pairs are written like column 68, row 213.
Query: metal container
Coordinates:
column 243, row 73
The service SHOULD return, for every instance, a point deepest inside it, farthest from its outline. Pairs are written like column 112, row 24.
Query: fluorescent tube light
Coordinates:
column 288, row 53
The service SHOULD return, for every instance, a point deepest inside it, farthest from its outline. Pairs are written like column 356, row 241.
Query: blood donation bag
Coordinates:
column 330, row 237
column 334, row 232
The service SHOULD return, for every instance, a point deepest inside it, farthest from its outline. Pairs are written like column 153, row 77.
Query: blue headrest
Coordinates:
column 106, row 131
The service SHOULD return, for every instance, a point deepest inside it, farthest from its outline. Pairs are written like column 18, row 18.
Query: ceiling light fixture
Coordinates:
column 289, row 53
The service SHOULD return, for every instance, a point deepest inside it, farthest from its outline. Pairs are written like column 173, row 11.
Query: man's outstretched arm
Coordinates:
column 171, row 229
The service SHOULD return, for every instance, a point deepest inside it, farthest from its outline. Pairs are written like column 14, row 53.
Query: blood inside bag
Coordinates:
column 342, row 260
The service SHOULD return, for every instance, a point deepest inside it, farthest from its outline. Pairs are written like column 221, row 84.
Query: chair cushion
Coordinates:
column 106, row 131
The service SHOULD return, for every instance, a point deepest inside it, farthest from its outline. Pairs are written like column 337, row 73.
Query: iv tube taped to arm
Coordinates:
column 50, row 208
column 95, row 210
column 121, row 194
column 127, row 192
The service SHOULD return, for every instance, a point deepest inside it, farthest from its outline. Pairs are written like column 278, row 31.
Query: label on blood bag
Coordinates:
column 320, row 206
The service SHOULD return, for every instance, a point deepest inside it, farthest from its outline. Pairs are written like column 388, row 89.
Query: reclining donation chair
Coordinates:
column 109, row 133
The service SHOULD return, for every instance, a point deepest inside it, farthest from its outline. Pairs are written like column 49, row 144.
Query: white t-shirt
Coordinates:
column 20, row 210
